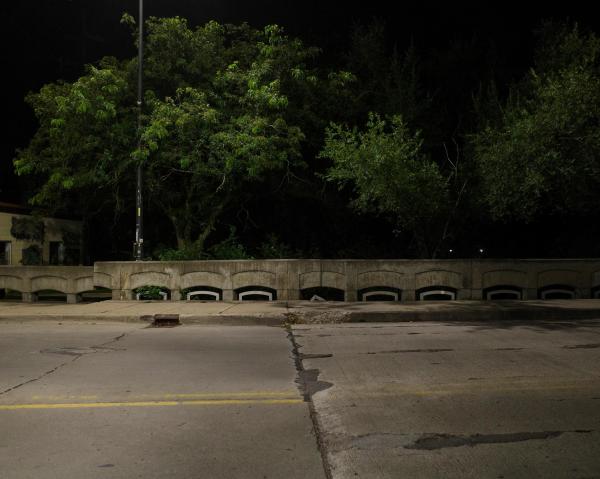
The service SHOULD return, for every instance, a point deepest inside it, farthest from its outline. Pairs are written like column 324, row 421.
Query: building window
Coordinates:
column 5, row 252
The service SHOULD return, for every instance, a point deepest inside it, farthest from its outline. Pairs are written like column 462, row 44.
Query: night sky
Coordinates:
column 46, row 40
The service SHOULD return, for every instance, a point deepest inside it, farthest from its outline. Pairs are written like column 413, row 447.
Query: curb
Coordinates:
column 494, row 313
column 225, row 320
column 473, row 316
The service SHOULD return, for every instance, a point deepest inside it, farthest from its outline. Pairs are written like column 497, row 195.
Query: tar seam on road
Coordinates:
column 308, row 399
column 432, row 442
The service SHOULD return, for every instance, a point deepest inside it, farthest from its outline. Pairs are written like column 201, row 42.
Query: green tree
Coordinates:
column 540, row 152
column 216, row 118
column 81, row 151
column 391, row 176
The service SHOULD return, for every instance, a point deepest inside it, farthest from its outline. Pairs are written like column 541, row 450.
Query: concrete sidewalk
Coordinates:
column 304, row 312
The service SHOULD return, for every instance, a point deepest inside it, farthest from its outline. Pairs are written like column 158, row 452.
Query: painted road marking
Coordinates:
column 172, row 396
column 199, row 402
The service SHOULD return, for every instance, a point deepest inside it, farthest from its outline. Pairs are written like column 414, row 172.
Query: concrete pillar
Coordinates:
column 176, row 295
column 228, row 295
column 29, row 297
column 476, row 294
column 583, row 293
column 122, row 295
column 350, row 295
column 409, row 295
column 73, row 298
column 530, row 293
column 282, row 294
column 293, row 280
column 293, row 294
column 351, row 281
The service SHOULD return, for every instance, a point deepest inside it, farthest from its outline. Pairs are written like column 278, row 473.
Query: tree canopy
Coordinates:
column 540, row 155
column 253, row 144
column 215, row 117
column 390, row 175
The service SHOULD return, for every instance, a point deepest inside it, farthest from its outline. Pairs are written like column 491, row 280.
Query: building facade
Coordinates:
column 32, row 240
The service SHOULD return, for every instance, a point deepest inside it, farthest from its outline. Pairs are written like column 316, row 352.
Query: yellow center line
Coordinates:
column 199, row 402
column 173, row 396
column 248, row 394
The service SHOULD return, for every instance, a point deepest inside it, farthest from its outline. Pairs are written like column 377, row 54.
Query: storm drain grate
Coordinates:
column 166, row 321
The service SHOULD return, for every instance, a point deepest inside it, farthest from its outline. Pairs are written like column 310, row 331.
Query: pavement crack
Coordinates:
column 42, row 376
column 114, row 340
column 308, row 384
column 76, row 354
column 583, row 346
column 430, row 442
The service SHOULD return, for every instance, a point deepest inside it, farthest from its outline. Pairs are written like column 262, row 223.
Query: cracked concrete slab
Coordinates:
column 125, row 400
column 473, row 400
column 25, row 349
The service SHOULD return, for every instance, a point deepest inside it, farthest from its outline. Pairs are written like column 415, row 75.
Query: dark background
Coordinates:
column 49, row 40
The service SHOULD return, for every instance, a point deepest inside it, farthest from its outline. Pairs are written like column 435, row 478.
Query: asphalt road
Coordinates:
column 124, row 401
column 405, row 400
column 433, row 400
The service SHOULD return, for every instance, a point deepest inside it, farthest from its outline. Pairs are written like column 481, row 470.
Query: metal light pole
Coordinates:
column 139, row 224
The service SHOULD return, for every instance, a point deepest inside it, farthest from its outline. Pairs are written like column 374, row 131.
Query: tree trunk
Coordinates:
column 182, row 232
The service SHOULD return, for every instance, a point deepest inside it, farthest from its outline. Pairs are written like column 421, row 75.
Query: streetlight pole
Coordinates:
column 139, row 224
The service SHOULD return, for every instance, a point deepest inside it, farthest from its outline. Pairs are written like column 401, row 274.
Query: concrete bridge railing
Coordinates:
column 29, row 280
column 354, row 280
column 349, row 280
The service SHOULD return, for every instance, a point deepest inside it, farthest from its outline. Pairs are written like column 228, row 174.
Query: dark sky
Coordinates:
column 50, row 39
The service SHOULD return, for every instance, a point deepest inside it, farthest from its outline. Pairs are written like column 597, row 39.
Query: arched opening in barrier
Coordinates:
column 379, row 293
column 95, row 295
column 255, row 293
column 152, row 293
column 322, row 293
column 202, row 293
column 51, row 295
column 503, row 292
column 10, row 295
column 557, row 291
column 436, row 293
column 596, row 292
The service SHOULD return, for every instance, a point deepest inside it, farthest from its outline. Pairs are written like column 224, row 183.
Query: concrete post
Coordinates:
column 228, row 295
column 73, row 298
column 530, row 293
column 351, row 281
column 122, row 295
column 29, row 297
column 476, row 294
column 408, row 295
column 583, row 293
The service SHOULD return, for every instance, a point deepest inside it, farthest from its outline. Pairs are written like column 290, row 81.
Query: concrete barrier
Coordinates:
column 407, row 280
column 29, row 280
column 469, row 279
